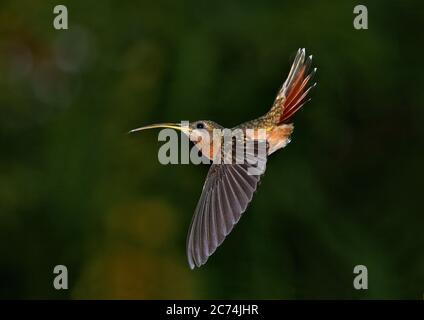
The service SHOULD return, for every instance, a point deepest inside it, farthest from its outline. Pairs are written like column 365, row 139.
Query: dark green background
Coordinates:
column 76, row 190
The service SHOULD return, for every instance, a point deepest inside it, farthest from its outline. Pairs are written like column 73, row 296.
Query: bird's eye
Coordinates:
column 200, row 125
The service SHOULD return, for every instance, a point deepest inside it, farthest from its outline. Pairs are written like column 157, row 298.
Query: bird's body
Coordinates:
column 231, row 182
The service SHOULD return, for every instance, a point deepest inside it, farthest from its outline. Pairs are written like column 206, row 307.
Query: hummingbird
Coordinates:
column 229, row 187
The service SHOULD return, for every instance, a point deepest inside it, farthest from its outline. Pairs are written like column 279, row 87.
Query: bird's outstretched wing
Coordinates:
column 227, row 192
column 292, row 95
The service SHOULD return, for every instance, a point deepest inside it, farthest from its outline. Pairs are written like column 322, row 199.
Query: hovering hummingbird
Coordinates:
column 229, row 187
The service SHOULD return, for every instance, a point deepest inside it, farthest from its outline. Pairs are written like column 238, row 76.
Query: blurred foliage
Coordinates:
column 76, row 190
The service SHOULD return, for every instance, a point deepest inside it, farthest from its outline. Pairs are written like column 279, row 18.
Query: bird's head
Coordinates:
column 201, row 132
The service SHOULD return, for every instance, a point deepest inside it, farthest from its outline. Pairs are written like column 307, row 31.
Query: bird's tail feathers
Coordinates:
column 293, row 94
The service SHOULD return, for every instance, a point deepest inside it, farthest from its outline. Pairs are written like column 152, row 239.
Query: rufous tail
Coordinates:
column 293, row 94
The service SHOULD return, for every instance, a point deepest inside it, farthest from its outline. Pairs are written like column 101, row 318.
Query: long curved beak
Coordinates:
column 176, row 126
